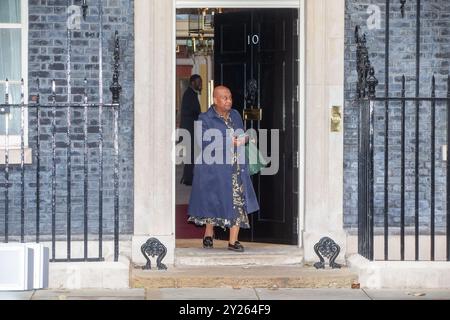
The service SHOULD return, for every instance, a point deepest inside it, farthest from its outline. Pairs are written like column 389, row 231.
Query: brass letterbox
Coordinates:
column 252, row 114
column 336, row 119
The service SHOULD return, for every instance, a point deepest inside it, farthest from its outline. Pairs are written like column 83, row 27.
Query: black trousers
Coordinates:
column 188, row 174
column 188, row 170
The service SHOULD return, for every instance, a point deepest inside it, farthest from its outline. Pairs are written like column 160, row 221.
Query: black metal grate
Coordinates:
column 66, row 128
column 369, row 103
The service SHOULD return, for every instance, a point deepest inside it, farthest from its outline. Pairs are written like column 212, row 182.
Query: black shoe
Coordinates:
column 186, row 183
column 237, row 246
column 208, row 242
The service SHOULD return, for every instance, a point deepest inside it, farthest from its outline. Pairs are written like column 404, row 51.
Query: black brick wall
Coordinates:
column 435, row 57
column 47, row 61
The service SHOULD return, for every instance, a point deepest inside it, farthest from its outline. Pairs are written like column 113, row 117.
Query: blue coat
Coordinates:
column 211, row 195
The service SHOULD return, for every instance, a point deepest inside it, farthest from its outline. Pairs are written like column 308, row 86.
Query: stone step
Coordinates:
column 189, row 253
column 243, row 277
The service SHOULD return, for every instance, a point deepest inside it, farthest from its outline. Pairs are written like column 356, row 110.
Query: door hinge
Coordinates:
column 297, row 93
column 296, row 28
column 297, row 160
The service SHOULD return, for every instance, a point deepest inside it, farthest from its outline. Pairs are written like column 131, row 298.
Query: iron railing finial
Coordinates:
column 38, row 95
column 367, row 81
column 85, row 8
column 357, row 35
column 85, row 97
column 7, row 91
column 115, row 86
column 372, row 83
column 53, row 90
column 448, row 86
column 402, row 7
column 433, row 86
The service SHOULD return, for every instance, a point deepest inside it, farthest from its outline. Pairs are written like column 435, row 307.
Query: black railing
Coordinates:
column 368, row 177
column 72, row 136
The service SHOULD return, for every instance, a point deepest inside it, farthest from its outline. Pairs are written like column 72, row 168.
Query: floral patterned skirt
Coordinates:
column 240, row 213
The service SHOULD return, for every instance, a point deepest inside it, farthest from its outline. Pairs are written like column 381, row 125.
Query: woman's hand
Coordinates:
column 237, row 142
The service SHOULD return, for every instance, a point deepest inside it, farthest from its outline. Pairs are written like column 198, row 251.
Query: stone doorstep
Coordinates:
column 189, row 253
column 199, row 258
column 243, row 277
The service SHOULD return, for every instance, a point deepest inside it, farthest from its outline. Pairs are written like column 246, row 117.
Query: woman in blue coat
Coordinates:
column 222, row 193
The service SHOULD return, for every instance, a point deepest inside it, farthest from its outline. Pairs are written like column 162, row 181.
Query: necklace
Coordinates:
column 220, row 115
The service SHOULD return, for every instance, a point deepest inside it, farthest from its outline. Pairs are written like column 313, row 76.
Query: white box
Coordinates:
column 16, row 267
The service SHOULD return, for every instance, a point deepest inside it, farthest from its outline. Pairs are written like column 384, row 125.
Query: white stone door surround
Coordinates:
column 322, row 31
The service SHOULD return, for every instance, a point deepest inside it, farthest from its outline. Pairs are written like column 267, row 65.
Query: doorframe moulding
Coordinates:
column 295, row 4
column 238, row 3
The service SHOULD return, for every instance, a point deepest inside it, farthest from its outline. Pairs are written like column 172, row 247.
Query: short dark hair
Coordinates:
column 194, row 77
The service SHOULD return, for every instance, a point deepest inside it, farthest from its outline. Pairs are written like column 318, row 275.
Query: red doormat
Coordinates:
column 183, row 229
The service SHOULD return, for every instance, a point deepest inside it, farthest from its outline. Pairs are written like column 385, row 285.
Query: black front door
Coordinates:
column 261, row 45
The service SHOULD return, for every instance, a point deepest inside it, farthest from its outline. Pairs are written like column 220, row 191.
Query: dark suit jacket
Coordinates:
column 190, row 110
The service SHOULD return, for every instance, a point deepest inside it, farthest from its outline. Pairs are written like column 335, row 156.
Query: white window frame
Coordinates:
column 14, row 141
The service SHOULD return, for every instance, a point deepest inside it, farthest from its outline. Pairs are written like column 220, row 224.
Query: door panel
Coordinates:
column 272, row 188
column 232, row 54
column 273, row 35
column 234, row 38
column 274, row 59
column 269, row 57
column 234, row 75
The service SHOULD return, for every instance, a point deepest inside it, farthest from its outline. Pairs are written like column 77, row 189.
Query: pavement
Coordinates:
column 228, row 294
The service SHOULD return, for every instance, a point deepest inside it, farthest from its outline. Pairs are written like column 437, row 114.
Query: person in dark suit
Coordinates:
column 190, row 110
